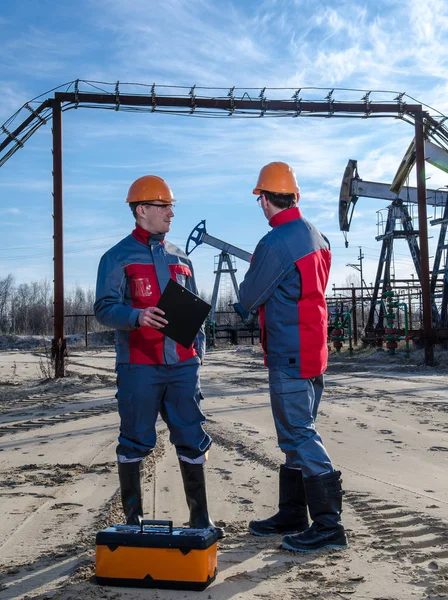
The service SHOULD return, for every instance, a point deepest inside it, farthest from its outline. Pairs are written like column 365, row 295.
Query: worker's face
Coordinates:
column 155, row 216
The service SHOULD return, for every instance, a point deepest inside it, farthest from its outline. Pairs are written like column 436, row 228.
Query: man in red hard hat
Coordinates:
column 154, row 373
column 286, row 281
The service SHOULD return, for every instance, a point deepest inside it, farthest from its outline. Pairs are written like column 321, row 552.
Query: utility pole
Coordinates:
column 360, row 258
column 359, row 269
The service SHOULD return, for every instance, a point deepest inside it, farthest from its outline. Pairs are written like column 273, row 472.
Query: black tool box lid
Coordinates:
column 156, row 534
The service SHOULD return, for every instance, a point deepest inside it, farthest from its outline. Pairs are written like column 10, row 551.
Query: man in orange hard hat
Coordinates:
column 154, row 373
column 286, row 281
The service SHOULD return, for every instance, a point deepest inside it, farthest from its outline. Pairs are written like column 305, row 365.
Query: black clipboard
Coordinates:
column 184, row 311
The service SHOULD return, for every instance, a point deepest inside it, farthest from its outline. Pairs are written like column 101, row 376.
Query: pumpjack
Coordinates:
column 401, row 197
column 225, row 264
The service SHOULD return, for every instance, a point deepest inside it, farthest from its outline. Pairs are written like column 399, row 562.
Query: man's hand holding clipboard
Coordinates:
column 152, row 317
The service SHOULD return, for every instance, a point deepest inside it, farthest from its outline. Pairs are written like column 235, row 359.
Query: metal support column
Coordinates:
column 58, row 348
column 232, row 272
column 382, row 274
column 428, row 334
column 216, row 286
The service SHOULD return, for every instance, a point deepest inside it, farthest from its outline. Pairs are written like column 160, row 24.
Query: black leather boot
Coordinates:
column 292, row 515
column 324, row 494
column 131, row 476
column 193, row 477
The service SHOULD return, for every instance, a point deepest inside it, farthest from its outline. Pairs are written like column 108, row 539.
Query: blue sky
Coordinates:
column 211, row 164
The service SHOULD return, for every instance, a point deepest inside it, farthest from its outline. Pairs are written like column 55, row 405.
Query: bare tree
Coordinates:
column 6, row 294
column 32, row 308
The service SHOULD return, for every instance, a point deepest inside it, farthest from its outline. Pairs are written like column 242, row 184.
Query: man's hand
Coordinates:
column 151, row 317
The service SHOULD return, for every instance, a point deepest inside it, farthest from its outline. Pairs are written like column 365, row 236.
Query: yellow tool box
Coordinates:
column 156, row 555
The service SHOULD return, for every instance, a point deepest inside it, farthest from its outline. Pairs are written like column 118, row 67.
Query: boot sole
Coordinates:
column 257, row 533
column 310, row 550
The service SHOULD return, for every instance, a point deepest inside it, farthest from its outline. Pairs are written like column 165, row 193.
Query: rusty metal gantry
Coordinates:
column 227, row 105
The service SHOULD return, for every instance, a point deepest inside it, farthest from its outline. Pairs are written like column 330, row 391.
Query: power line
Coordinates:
column 66, row 242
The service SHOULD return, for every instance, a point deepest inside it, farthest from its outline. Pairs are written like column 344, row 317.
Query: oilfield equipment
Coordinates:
column 340, row 321
column 396, row 313
column 225, row 264
column 398, row 224
column 392, row 334
column 205, row 102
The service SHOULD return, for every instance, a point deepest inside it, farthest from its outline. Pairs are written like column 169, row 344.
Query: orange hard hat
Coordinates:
column 149, row 188
column 277, row 177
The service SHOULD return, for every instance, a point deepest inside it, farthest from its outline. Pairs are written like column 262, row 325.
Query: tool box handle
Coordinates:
column 155, row 523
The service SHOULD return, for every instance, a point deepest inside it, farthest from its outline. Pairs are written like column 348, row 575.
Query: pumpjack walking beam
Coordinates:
column 199, row 236
column 353, row 187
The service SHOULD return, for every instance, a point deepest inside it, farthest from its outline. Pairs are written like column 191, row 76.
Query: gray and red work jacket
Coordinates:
column 131, row 276
column 286, row 280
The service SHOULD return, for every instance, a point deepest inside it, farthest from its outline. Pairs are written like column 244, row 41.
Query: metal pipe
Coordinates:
column 428, row 334
column 354, row 317
column 349, row 325
column 410, row 307
column 13, row 135
column 406, row 327
column 225, row 104
column 58, row 349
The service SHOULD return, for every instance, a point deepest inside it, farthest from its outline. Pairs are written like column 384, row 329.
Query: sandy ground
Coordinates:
column 384, row 421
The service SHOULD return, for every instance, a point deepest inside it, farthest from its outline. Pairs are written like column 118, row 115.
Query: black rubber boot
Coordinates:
column 131, row 483
column 193, row 477
column 324, row 494
column 292, row 515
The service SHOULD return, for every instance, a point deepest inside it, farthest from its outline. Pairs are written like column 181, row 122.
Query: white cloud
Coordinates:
column 10, row 211
column 26, row 184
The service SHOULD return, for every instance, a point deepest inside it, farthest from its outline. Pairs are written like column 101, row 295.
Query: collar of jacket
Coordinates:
column 284, row 216
column 147, row 238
